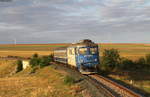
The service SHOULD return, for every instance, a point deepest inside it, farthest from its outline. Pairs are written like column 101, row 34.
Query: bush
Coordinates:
column 140, row 63
column 34, row 61
column 35, row 55
column 127, row 64
column 34, row 69
column 69, row 80
column 148, row 59
column 19, row 66
column 110, row 59
column 42, row 61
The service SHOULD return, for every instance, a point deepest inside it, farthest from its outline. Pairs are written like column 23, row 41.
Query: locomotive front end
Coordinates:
column 88, row 57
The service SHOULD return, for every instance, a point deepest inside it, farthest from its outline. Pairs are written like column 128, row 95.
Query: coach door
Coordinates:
column 71, row 56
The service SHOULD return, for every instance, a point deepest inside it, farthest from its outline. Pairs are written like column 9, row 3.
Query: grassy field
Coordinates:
column 45, row 82
column 27, row 50
column 131, row 51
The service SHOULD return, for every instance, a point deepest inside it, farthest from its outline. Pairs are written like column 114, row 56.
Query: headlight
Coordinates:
column 81, row 60
column 95, row 60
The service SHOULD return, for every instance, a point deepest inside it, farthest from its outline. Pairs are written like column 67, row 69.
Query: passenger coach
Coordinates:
column 83, row 55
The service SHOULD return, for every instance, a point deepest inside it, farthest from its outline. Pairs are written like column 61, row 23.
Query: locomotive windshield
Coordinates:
column 93, row 50
column 83, row 51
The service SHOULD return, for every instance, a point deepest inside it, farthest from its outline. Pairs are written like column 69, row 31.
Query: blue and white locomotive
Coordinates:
column 83, row 55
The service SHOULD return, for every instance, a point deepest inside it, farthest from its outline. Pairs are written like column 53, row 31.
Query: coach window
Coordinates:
column 71, row 52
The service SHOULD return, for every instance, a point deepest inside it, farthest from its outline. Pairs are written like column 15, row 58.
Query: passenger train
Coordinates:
column 83, row 55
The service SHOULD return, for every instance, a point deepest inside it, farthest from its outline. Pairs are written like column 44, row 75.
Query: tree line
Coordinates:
column 111, row 61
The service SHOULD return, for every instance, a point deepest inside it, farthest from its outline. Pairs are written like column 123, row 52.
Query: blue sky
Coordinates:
column 62, row 21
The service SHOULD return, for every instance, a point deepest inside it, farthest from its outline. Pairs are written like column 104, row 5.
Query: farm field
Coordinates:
column 27, row 50
column 131, row 51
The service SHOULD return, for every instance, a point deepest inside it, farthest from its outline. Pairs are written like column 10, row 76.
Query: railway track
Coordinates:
column 112, row 88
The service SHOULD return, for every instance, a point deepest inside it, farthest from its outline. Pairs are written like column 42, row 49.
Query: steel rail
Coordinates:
column 100, row 86
column 119, row 89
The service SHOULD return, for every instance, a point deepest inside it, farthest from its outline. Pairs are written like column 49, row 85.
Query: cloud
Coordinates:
column 48, row 21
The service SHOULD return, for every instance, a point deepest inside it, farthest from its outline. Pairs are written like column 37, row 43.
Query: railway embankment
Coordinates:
column 47, row 82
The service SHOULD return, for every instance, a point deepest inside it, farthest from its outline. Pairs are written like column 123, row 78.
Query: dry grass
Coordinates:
column 46, row 82
column 7, row 67
column 23, row 53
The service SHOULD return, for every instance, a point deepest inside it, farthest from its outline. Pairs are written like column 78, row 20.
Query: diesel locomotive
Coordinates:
column 83, row 55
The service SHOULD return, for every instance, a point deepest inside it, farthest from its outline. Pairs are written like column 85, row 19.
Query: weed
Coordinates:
column 69, row 80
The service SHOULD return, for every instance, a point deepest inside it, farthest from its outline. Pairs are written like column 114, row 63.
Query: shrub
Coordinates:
column 34, row 61
column 34, row 69
column 40, row 61
column 140, row 63
column 148, row 59
column 19, row 66
column 44, row 61
column 110, row 59
column 69, row 80
column 51, row 57
column 127, row 64
column 35, row 55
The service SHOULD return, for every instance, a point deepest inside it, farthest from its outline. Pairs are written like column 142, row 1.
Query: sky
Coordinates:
column 67, row 21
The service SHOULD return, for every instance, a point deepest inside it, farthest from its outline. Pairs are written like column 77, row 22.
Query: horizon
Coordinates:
column 68, row 43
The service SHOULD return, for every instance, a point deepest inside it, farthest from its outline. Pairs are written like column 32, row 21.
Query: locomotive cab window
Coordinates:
column 93, row 50
column 83, row 51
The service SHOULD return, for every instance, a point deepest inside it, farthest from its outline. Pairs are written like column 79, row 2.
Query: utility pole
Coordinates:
column 15, row 41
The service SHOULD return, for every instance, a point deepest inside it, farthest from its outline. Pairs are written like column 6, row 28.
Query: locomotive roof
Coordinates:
column 85, row 42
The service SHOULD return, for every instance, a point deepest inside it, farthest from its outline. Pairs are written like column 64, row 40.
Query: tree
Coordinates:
column 19, row 66
column 140, row 63
column 35, row 55
column 111, row 59
column 44, row 61
column 35, row 60
column 148, row 60
column 127, row 64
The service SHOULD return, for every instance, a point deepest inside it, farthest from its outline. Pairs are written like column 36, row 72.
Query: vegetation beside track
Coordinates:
column 44, row 82
column 135, row 73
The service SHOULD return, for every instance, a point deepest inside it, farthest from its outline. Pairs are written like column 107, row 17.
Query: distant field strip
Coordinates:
column 132, row 51
column 42, row 47
column 23, row 53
